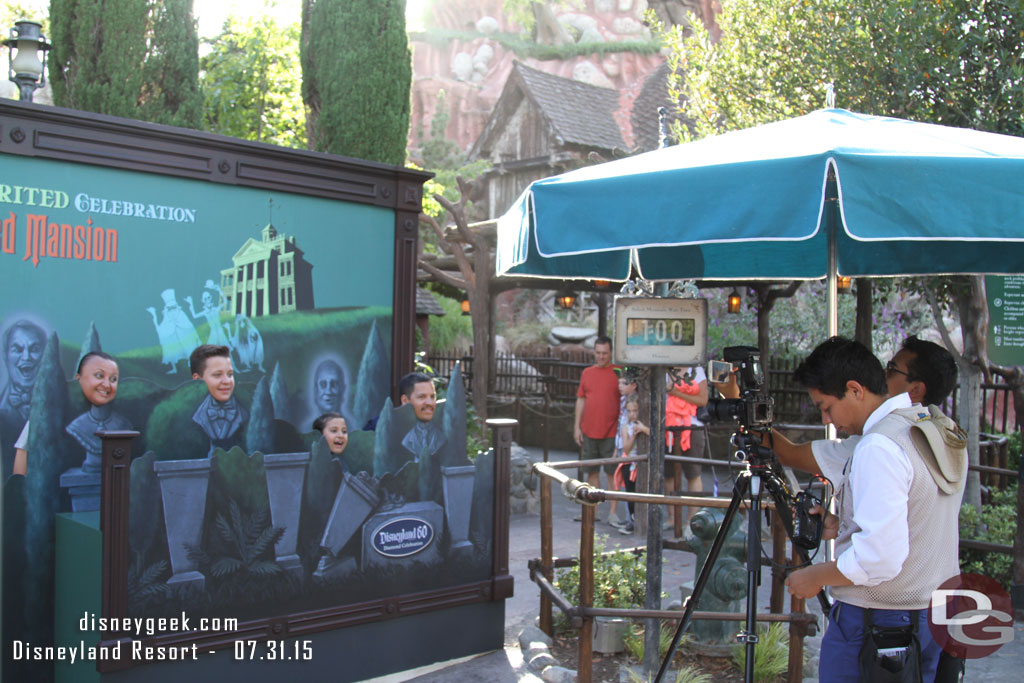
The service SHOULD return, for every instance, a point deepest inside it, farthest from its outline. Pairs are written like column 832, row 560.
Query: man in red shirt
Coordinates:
column 597, row 411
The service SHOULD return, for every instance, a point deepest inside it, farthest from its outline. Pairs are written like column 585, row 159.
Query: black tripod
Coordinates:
column 761, row 472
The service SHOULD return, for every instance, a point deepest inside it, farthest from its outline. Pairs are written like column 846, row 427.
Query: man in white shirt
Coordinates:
column 922, row 369
column 897, row 530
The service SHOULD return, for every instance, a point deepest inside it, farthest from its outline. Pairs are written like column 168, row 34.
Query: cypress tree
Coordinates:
column 453, row 421
column 132, row 58
column 170, row 91
column 279, row 394
column 47, row 459
column 385, row 458
column 91, row 342
column 356, row 78
column 373, row 379
column 259, row 436
column 98, row 51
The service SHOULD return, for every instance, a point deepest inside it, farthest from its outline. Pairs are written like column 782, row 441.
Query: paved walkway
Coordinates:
column 507, row 666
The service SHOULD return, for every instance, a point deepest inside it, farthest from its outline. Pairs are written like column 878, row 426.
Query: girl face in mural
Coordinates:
column 335, row 432
column 98, row 378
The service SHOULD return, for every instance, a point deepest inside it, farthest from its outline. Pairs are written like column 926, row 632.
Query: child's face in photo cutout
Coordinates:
column 336, row 434
column 219, row 376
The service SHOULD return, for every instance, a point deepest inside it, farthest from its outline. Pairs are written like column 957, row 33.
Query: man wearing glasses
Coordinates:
column 920, row 368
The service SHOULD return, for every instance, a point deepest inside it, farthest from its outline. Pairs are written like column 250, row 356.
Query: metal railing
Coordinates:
column 582, row 616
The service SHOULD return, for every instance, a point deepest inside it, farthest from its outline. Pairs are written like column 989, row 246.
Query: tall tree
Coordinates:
column 170, row 90
column 132, row 58
column 954, row 62
column 251, row 82
column 356, row 77
column 98, row 51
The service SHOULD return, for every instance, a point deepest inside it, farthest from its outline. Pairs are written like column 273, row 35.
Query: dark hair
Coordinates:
column 93, row 354
column 603, row 339
column 835, row 362
column 201, row 354
column 320, row 423
column 406, row 384
column 933, row 365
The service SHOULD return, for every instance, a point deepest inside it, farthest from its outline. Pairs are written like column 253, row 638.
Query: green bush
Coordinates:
column 620, row 580
column 997, row 523
column 771, row 656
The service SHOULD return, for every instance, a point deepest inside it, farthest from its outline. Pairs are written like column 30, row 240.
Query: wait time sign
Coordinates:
column 1005, row 319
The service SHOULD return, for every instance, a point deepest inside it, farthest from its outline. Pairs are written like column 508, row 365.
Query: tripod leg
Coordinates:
column 738, row 493
column 749, row 635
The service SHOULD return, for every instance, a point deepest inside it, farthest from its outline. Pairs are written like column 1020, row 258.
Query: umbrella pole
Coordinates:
column 832, row 278
column 831, row 284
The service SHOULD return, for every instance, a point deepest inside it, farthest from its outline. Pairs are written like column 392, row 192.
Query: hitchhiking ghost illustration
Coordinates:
column 177, row 335
column 247, row 343
column 213, row 304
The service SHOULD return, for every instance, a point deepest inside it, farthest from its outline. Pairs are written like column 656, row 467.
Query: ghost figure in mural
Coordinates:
column 211, row 313
column 247, row 343
column 97, row 376
column 328, row 387
column 177, row 335
column 23, row 345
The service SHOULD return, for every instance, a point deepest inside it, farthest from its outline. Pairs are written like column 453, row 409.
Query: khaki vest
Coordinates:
column 932, row 516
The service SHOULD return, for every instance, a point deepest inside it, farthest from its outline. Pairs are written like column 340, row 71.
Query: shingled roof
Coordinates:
column 644, row 116
column 578, row 113
column 426, row 304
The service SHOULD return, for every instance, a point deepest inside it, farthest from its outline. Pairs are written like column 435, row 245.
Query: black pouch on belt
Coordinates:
column 890, row 654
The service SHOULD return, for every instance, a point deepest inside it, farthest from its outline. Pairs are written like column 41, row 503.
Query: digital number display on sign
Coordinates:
column 660, row 331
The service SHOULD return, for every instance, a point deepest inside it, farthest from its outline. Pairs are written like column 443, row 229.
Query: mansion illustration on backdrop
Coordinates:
column 268, row 277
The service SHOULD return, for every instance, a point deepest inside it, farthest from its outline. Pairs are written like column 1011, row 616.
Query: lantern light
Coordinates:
column 734, row 302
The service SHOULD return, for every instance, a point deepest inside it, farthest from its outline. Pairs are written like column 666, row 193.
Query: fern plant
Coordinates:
column 144, row 584
column 249, row 536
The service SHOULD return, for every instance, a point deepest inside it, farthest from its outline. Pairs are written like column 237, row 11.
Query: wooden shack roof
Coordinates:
column 577, row 113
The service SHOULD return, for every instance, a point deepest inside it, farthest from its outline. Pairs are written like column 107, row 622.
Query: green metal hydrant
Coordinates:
column 726, row 585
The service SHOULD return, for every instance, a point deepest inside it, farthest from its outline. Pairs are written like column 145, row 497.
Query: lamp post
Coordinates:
column 26, row 69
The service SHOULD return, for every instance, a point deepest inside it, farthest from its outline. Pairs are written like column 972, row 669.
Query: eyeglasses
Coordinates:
column 891, row 369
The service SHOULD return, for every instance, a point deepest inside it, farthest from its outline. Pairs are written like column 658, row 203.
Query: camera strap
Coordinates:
column 890, row 654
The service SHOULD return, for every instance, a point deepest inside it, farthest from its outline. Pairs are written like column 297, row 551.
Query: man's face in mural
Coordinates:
column 207, row 300
column 219, row 376
column 24, row 349
column 328, row 387
column 423, row 399
column 98, row 380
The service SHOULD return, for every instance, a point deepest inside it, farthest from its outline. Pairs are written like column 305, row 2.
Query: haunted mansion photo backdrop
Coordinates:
column 238, row 507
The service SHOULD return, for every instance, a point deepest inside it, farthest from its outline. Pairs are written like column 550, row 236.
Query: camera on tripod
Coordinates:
column 754, row 407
